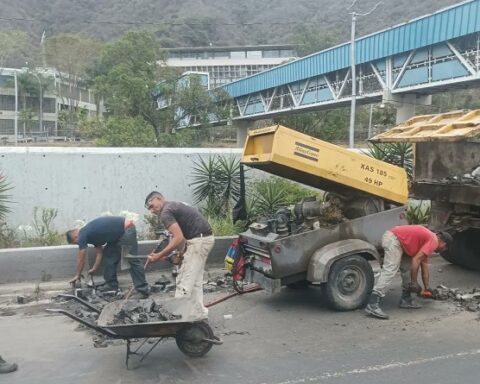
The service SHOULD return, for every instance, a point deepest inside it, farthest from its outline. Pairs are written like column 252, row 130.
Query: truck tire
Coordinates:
column 465, row 250
column 350, row 282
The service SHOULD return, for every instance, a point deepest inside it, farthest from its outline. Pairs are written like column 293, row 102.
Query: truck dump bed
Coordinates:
column 290, row 154
column 447, row 151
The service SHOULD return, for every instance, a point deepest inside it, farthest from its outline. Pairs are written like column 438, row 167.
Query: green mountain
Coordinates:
column 205, row 22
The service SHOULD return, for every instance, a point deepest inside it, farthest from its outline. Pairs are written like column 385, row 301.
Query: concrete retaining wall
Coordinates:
column 45, row 263
column 83, row 183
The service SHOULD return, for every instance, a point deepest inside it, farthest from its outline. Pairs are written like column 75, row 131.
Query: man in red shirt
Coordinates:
column 407, row 247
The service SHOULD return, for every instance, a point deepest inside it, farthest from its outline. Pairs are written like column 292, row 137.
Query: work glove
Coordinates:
column 414, row 287
column 426, row 293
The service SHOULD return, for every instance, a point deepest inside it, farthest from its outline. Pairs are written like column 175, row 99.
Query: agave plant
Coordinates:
column 418, row 212
column 269, row 196
column 399, row 154
column 216, row 183
column 5, row 198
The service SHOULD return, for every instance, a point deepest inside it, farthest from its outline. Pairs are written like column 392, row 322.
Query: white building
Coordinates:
column 43, row 122
column 226, row 64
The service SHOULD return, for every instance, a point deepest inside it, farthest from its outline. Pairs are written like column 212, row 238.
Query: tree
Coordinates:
column 34, row 84
column 128, row 77
column 12, row 43
column 190, row 104
column 124, row 131
column 312, row 38
column 125, row 77
column 71, row 54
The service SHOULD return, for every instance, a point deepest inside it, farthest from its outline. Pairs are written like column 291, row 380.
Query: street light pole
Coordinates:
column 40, row 101
column 370, row 115
column 16, row 109
column 351, row 141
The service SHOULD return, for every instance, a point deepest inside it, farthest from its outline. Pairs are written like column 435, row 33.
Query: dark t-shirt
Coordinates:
column 108, row 229
column 191, row 222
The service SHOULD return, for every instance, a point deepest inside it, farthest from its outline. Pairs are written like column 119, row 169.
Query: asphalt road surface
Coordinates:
column 288, row 338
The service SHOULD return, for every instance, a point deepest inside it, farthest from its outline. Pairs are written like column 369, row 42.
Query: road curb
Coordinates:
column 59, row 262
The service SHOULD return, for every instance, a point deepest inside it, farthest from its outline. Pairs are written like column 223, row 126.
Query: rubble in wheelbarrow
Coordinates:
column 469, row 301
column 143, row 311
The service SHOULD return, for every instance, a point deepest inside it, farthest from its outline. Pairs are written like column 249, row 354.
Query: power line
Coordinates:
column 109, row 22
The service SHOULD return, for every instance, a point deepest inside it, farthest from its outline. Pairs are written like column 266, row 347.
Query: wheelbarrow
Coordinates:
column 193, row 336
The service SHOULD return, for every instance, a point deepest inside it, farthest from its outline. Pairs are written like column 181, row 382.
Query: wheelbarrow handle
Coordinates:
column 101, row 330
column 83, row 302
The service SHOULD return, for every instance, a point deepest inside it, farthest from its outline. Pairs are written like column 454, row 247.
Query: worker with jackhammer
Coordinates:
column 407, row 247
column 184, row 223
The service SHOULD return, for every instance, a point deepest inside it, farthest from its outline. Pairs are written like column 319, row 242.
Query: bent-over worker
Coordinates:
column 407, row 247
column 108, row 234
column 184, row 223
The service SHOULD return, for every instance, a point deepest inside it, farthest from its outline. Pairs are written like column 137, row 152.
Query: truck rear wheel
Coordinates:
column 350, row 282
column 465, row 250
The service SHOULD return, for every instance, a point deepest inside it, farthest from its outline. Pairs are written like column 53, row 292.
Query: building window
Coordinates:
column 7, row 103
column 287, row 53
column 271, row 54
column 254, row 54
column 7, row 81
column 237, row 54
column 7, row 127
column 221, row 55
column 48, row 105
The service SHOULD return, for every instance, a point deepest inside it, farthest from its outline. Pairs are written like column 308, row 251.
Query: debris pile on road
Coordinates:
column 142, row 311
column 469, row 301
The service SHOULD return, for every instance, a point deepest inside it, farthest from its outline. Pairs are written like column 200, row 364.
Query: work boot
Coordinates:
column 107, row 288
column 407, row 301
column 6, row 367
column 373, row 306
column 139, row 295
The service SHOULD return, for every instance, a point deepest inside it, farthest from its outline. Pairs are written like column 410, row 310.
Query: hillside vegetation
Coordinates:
column 204, row 22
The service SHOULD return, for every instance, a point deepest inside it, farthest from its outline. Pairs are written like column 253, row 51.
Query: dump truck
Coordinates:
column 446, row 171
column 311, row 243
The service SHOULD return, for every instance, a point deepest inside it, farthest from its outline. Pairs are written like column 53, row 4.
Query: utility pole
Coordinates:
column 351, row 136
column 16, row 109
column 40, row 101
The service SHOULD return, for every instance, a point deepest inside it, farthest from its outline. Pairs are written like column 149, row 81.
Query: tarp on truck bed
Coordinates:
column 451, row 126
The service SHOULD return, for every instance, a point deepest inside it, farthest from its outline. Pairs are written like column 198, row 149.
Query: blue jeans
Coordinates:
column 112, row 253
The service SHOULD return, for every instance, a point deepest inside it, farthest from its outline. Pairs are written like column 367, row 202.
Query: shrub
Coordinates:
column 418, row 212
column 399, row 154
column 45, row 232
column 223, row 226
column 266, row 196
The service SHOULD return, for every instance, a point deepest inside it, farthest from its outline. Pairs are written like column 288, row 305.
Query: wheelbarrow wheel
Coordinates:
column 190, row 339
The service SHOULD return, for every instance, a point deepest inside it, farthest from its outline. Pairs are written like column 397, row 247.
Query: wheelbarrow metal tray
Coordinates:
column 177, row 306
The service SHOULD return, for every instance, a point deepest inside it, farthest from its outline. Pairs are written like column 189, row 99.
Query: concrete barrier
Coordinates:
column 59, row 262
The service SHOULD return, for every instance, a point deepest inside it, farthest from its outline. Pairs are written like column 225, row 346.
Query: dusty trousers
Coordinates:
column 112, row 256
column 394, row 260
column 190, row 275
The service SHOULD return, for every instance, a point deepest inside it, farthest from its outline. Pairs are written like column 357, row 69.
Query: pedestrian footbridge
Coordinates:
column 430, row 54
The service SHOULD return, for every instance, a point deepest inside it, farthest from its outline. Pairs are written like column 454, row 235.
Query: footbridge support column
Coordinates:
column 405, row 104
column 243, row 126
